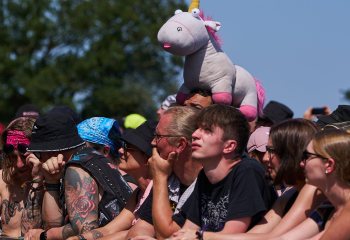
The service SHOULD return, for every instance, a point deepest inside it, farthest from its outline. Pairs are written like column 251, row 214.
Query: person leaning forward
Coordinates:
column 92, row 191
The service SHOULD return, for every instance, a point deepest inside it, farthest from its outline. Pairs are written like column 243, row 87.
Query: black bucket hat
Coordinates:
column 142, row 136
column 277, row 112
column 54, row 131
column 341, row 114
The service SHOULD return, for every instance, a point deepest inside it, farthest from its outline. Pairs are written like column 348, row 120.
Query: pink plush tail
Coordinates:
column 261, row 96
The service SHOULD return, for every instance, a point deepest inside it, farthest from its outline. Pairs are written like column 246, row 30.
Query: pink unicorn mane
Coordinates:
column 214, row 34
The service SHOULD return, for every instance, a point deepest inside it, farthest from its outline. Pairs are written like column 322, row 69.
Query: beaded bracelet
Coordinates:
column 81, row 237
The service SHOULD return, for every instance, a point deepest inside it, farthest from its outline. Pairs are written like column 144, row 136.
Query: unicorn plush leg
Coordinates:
column 249, row 112
column 222, row 98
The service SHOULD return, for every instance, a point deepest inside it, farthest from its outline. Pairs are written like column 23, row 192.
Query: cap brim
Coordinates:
column 56, row 145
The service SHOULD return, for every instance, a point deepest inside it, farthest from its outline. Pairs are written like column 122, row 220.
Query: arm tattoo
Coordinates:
column 31, row 215
column 82, row 200
column 67, row 231
column 96, row 234
column 9, row 209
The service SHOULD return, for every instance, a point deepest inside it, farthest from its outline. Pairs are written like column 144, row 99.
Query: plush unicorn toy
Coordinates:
column 206, row 65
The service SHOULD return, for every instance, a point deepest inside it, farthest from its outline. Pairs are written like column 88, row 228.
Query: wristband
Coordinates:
column 55, row 187
column 199, row 234
column 37, row 180
column 43, row 235
column 39, row 188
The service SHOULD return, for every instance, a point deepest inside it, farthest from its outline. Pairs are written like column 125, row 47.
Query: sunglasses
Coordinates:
column 127, row 148
column 308, row 155
column 9, row 148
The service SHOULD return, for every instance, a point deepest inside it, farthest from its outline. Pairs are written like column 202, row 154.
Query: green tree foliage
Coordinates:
column 347, row 95
column 100, row 56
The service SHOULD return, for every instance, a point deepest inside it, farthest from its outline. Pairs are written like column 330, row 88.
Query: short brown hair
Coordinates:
column 230, row 120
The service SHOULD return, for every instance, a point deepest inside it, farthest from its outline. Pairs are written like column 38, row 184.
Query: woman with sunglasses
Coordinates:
column 134, row 154
column 327, row 166
column 21, row 186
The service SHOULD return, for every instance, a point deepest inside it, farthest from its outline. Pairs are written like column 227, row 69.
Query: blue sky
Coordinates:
column 299, row 49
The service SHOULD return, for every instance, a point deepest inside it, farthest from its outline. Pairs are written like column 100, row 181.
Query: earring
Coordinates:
column 326, row 172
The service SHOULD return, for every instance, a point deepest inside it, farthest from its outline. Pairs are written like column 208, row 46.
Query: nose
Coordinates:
column 121, row 151
column 195, row 134
column 20, row 163
column 302, row 164
column 266, row 158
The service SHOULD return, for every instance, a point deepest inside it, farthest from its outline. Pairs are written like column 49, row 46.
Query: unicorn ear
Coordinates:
column 213, row 25
column 178, row 11
column 195, row 12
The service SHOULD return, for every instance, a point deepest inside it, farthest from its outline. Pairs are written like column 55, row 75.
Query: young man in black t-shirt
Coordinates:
column 231, row 192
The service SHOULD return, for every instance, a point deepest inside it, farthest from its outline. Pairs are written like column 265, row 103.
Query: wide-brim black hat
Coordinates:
column 341, row 114
column 54, row 131
column 277, row 112
column 141, row 137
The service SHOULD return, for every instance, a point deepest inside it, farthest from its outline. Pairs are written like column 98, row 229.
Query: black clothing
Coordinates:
column 116, row 191
column 244, row 192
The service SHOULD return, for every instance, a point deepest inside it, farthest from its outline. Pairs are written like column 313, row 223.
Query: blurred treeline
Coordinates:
column 100, row 57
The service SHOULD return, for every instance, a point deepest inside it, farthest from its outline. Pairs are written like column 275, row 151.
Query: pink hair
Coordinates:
column 261, row 96
column 214, row 34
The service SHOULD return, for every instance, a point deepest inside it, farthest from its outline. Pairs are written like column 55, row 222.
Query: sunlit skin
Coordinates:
column 271, row 161
column 314, row 168
column 199, row 101
column 163, row 147
column 207, row 143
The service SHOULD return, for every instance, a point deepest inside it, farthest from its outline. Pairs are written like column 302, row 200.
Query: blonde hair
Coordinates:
column 183, row 121
column 335, row 144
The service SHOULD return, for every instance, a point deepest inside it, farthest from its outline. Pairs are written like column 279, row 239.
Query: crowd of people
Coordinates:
column 201, row 171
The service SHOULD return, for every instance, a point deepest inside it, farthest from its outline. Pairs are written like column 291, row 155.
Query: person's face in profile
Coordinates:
column 198, row 101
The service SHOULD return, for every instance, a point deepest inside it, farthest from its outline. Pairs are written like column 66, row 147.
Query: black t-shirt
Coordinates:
column 244, row 192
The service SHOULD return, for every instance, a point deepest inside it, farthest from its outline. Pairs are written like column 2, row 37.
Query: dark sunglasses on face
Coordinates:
column 126, row 148
column 9, row 148
column 308, row 155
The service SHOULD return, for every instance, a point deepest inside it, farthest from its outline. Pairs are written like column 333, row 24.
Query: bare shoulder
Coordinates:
column 2, row 184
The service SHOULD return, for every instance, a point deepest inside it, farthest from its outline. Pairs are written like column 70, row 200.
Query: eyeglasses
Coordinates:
column 127, row 148
column 308, row 156
column 158, row 137
column 20, row 147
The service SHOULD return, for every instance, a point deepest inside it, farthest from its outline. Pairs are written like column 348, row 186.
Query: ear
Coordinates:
column 329, row 166
column 213, row 25
column 230, row 146
column 106, row 150
column 181, row 144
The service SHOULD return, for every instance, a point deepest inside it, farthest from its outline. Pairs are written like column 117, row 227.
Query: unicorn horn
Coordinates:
column 194, row 4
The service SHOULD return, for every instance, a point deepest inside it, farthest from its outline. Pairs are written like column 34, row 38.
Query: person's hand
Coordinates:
column 184, row 234
column 32, row 160
column 33, row 234
column 159, row 166
column 53, row 169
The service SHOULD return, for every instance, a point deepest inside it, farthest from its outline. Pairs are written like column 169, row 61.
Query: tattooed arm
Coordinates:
column 82, row 198
column 31, row 215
